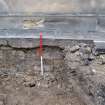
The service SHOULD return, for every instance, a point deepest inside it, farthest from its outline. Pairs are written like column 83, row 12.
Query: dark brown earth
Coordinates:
column 22, row 84
column 23, row 91
column 72, row 76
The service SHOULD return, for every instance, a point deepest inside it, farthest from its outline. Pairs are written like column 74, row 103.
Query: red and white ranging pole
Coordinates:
column 41, row 54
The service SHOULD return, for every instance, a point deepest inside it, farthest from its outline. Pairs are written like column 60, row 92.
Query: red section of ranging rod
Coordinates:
column 41, row 45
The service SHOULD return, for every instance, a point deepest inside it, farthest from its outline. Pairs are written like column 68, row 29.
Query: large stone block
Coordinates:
column 56, row 25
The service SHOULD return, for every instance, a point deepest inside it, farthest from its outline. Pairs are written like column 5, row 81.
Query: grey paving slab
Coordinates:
column 52, row 6
column 53, row 26
column 49, row 23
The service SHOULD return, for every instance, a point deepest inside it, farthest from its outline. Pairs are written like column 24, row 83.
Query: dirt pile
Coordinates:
column 86, row 73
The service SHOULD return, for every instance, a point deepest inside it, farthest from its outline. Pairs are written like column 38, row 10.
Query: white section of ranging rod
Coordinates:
column 42, row 70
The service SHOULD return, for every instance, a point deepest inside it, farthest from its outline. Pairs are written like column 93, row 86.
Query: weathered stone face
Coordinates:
column 18, row 59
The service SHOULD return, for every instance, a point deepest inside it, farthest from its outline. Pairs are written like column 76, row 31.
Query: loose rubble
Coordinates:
column 88, row 73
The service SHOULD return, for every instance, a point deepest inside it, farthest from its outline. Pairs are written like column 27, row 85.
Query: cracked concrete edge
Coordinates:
column 34, row 43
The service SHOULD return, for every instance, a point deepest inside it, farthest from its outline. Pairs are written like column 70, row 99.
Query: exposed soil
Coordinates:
column 27, row 86
column 75, row 77
column 13, row 91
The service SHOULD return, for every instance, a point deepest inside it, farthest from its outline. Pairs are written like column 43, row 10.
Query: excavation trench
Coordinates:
column 73, row 73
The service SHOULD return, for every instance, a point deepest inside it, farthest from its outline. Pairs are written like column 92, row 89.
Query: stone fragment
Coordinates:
column 102, row 57
column 91, row 57
column 3, row 42
column 29, row 81
column 30, row 84
column 86, row 54
column 75, row 48
column 1, row 54
column 21, row 54
column 85, row 49
column 5, row 48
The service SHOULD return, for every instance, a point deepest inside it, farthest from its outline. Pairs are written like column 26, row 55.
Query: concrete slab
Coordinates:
column 53, row 26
